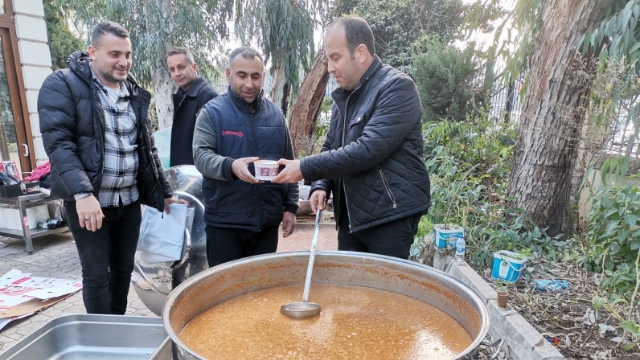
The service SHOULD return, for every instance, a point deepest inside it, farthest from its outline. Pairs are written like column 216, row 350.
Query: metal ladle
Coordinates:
column 305, row 309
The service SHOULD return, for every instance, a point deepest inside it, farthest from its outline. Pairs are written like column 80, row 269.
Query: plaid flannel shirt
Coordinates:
column 120, row 148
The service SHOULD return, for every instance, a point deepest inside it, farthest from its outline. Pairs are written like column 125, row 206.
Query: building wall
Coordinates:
column 35, row 60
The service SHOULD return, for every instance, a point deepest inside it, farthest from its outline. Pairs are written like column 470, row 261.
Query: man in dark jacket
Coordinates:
column 194, row 92
column 232, row 131
column 95, row 128
column 372, row 157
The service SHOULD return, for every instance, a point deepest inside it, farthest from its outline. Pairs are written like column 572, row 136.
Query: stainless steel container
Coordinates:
column 91, row 336
column 154, row 281
column 226, row 281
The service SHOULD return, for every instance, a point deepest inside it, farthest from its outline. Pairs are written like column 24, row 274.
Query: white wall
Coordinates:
column 35, row 60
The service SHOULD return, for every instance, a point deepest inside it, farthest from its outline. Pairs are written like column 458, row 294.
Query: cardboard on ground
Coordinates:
column 22, row 294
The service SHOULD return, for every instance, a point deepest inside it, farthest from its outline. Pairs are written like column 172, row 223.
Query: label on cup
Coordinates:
column 265, row 171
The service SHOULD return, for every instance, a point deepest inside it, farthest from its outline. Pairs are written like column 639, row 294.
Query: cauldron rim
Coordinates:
column 398, row 264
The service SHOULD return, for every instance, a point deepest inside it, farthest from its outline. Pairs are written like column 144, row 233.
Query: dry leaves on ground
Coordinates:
column 566, row 318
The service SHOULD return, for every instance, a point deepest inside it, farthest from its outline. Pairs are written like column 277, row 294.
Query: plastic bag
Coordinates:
column 161, row 234
column 552, row 285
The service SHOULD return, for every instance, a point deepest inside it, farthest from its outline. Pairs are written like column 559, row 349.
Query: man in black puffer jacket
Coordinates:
column 96, row 132
column 372, row 157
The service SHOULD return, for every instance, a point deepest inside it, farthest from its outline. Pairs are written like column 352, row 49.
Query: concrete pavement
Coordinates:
column 56, row 256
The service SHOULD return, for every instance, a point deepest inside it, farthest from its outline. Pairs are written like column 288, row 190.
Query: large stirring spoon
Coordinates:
column 305, row 309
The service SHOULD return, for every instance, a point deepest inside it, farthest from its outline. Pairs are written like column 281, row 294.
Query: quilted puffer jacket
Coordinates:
column 374, row 149
column 72, row 127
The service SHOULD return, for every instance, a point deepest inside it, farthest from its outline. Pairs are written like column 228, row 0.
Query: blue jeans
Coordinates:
column 107, row 257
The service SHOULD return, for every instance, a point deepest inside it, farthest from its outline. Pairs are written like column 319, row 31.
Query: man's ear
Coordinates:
column 362, row 52
column 228, row 74
column 92, row 51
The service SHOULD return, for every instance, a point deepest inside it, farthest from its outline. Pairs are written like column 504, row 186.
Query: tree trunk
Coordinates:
column 279, row 91
column 305, row 110
column 163, row 86
column 553, row 114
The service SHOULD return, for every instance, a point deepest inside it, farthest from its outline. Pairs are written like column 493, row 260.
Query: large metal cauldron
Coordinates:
column 154, row 281
column 423, row 283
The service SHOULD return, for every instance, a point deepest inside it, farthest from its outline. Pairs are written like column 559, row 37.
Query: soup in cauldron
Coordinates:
column 355, row 323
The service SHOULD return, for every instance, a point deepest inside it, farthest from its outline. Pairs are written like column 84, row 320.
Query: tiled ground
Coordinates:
column 56, row 256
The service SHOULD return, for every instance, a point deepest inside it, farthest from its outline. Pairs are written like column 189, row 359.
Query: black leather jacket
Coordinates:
column 374, row 149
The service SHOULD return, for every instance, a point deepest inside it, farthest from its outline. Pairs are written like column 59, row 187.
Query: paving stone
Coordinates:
column 30, row 326
column 6, row 342
column 465, row 273
column 10, row 329
column 10, row 250
column 13, row 336
column 76, row 309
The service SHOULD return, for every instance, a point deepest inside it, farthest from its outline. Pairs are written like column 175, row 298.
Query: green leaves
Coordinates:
column 618, row 32
column 631, row 327
column 398, row 24
column 455, row 71
column 284, row 29
column 62, row 41
column 157, row 25
column 614, row 236
column 598, row 303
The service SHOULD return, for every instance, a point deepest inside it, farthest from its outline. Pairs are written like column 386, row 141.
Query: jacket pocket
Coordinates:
column 388, row 188
column 357, row 119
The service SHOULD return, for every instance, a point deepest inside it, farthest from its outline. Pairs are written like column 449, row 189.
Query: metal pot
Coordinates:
column 154, row 281
column 226, row 281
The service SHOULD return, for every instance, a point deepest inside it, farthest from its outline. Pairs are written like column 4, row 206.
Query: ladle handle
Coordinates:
column 312, row 256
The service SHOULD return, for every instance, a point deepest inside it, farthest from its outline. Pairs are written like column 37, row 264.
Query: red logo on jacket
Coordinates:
column 234, row 133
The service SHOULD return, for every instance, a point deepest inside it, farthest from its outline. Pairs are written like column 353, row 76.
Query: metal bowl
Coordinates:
column 154, row 281
column 420, row 282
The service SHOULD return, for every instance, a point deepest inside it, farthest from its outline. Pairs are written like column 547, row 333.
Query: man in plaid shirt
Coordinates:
column 96, row 131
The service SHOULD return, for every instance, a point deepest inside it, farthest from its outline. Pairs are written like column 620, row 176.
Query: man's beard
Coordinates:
column 108, row 76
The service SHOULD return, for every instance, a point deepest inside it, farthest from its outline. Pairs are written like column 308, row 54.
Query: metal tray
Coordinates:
column 91, row 337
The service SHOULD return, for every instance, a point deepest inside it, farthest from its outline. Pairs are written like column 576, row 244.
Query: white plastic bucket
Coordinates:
column 507, row 266
column 441, row 235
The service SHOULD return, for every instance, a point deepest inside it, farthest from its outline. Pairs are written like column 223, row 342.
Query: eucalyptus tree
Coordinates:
column 155, row 26
column 560, row 45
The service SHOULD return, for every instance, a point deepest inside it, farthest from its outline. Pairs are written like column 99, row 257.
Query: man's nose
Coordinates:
column 330, row 67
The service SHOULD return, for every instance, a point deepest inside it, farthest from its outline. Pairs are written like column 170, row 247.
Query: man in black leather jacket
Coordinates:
column 371, row 159
column 96, row 132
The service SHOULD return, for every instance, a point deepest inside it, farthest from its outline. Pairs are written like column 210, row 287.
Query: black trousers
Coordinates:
column 107, row 257
column 225, row 244
column 392, row 239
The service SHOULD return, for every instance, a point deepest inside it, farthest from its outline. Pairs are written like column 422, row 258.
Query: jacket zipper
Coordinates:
column 344, row 130
column 102, row 132
column 388, row 188
column 255, row 149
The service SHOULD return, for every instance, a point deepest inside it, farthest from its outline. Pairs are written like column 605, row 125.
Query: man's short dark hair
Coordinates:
column 357, row 31
column 246, row 52
column 183, row 51
column 107, row 27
